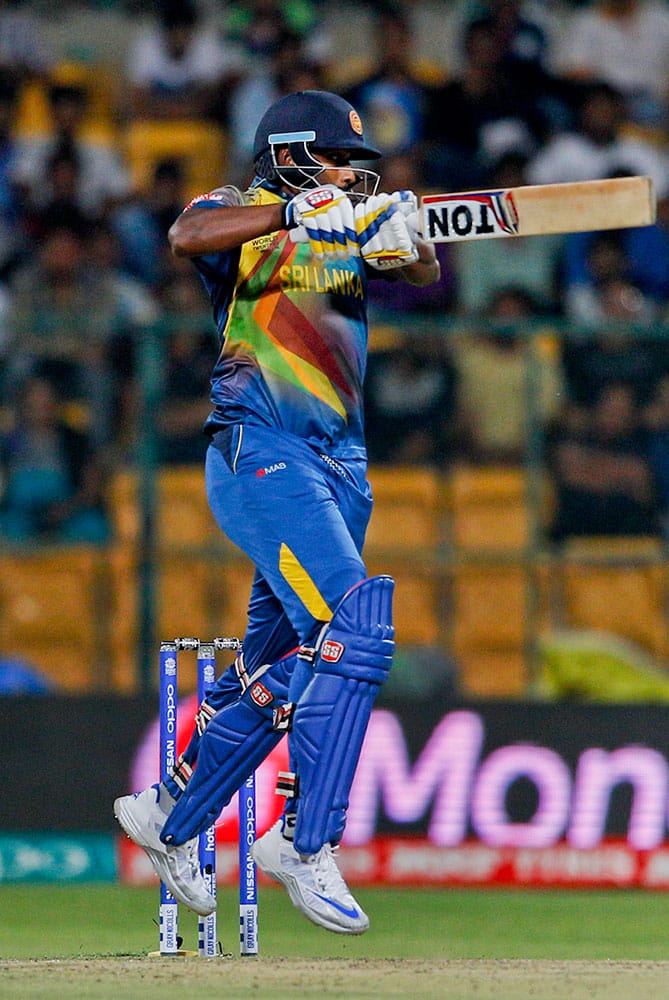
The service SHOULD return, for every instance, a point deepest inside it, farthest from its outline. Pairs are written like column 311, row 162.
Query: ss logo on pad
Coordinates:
column 332, row 651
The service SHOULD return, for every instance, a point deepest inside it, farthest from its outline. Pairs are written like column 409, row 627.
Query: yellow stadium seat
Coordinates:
column 184, row 518
column 489, row 607
column 489, row 508
column 409, row 504
column 124, row 506
column 200, row 146
column 234, row 576
column 616, row 585
column 417, row 605
column 195, row 594
column 101, row 83
column 403, row 539
column 182, row 596
column 493, row 674
column 53, row 612
column 496, row 609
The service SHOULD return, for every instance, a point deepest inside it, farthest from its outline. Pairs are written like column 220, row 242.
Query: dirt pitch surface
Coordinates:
column 121, row 978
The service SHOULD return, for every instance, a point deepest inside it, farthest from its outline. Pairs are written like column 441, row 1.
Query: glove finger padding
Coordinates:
column 326, row 214
column 407, row 202
column 385, row 239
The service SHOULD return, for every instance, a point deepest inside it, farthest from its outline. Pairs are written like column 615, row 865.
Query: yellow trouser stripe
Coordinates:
column 296, row 575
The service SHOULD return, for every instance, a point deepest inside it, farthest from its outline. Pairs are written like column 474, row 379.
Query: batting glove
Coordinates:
column 407, row 204
column 326, row 214
column 386, row 241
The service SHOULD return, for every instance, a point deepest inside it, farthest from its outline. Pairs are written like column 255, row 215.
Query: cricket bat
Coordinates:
column 533, row 210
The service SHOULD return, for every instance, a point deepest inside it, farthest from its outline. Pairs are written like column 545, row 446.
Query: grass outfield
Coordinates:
column 452, row 944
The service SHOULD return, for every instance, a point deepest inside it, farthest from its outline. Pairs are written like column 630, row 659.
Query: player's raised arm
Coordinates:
column 202, row 230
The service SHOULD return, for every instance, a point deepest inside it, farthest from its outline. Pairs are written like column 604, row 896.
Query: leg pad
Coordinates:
column 353, row 659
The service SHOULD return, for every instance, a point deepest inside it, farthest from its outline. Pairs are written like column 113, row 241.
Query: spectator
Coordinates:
column 526, row 34
column 493, row 380
column 187, row 385
column 103, row 178
column 602, row 476
column 656, row 422
column 393, row 301
column 286, row 72
column 12, row 235
column 639, row 255
column 24, row 54
column 59, row 204
column 395, row 97
column 258, row 27
column 624, row 43
column 141, row 223
column 410, row 402
column 616, row 350
column 178, row 67
column 53, row 480
column 65, row 316
column 597, row 268
column 19, row 677
column 482, row 113
column 598, row 146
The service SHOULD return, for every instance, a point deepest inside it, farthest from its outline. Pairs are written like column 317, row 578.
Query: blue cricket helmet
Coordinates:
column 310, row 120
column 328, row 120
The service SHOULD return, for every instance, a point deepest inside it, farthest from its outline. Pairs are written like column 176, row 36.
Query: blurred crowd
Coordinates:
column 563, row 331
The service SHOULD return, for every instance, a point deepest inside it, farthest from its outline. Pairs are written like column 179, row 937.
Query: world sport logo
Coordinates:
column 319, row 198
column 332, row 651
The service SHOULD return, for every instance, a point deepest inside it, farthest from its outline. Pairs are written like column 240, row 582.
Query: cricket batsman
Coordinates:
column 286, row 265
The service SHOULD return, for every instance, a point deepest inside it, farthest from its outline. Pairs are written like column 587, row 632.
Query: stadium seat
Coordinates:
column 182, row 595
column 233, row 578
column 182, row 511
column 403, row 539
column 53, row 613
column 496, row 609
column 101, row 83
column 488, row 607
column 616, row 585
column 489, row 508
column 200, row 146
column 418, row 601
column 493, row 674
column 409, row 507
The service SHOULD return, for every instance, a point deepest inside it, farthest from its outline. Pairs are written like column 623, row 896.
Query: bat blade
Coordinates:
column 534, row 210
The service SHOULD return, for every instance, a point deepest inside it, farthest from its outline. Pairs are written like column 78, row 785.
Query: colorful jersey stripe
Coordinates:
column 293, row 335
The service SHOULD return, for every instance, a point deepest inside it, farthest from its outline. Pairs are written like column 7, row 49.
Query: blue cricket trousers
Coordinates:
column 301, row 517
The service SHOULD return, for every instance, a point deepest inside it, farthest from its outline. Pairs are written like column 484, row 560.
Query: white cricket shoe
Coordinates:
column 178, row 867
column 314, row 884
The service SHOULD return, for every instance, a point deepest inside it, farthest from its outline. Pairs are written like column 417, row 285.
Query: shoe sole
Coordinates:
column 158, row 858
column 292, row 886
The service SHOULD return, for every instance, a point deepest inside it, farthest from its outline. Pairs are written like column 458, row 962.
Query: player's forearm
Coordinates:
column 214, row 230
column 426, row 269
